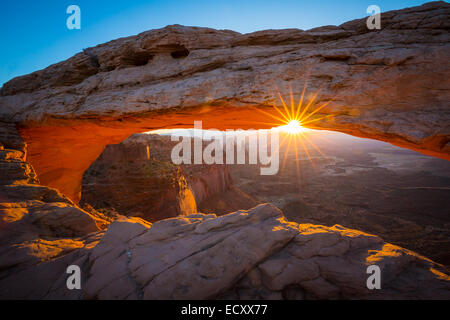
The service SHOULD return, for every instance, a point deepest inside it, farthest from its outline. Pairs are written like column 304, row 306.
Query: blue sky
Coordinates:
column 34, row 33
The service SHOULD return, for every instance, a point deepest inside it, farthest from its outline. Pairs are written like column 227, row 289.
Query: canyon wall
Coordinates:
column 205, row 180
column 137, row 178
column 390, row 84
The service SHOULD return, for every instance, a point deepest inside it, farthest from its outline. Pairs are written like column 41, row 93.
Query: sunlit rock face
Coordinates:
column 125, row 178
column 28, row 209
column 390, row 84
column 138, row 178
column 205, row 180
column 37, row 223
column 207, row 257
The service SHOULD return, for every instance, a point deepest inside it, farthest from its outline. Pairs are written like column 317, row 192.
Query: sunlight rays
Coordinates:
column 290, row 120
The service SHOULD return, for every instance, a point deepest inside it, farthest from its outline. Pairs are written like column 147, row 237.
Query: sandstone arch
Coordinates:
column 390, row 84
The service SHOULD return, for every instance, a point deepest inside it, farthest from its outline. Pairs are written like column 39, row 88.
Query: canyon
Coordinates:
column 330, row 178
column 137, row 178
column 325, row 178
column 61, row 125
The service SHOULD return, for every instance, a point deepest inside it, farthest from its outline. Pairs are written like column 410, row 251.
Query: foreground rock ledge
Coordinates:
column 254, row 254
column 390, row 84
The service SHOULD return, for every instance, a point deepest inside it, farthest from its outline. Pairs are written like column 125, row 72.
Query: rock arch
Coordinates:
column 390, row 84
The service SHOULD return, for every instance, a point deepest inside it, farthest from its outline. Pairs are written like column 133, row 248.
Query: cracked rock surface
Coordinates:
column 254, row 254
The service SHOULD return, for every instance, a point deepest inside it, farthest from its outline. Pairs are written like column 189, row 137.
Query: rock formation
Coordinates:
column 197, row 256
column 37, row 223
column 390, row 84
column 396, row 89
column 137, row 177
column 205, row 180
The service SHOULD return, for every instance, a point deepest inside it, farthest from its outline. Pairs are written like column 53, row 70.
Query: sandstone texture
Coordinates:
column 248, row 254
column 37, row 224
column 208, row 257
column 390, row 84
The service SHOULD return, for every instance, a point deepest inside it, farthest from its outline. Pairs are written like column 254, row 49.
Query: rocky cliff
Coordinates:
column 390, row 84
column 137, row 178
column 205, row 180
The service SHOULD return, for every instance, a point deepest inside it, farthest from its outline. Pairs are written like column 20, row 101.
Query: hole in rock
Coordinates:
column 181, row 53
column 137, row 59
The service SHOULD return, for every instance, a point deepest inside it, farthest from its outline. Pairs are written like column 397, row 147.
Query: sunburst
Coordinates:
column 291, row 119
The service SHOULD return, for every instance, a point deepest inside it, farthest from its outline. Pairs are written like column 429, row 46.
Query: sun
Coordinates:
column 293, row 119
column 293, row 127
